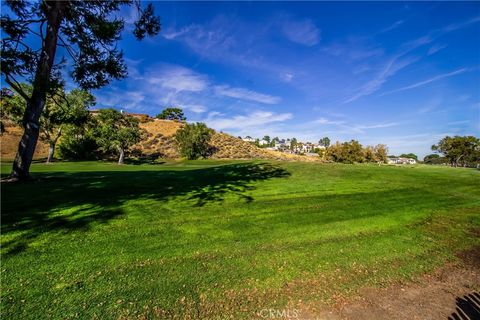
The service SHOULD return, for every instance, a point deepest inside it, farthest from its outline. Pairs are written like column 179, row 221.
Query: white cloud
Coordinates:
column 120, row 99
column 425, row 82
column 246, row 94
column 250, row 121
column 328, row 122
column 287, row 76
column 301, row 31
column 177, row 78
column 197, row 108
column 378, row 126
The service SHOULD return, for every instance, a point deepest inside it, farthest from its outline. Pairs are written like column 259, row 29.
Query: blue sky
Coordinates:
column 398, row 73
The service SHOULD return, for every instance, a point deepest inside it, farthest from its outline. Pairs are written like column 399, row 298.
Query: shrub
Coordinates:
column 77, row 144
column 193, row 140
column 353, row 152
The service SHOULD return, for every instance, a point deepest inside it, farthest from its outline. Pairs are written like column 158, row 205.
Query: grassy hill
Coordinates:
column 159, row 140
column 223, row 239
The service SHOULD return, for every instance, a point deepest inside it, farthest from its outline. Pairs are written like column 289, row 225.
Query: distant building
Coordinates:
column 263, row 142
column 248, row 139
column 399, row 160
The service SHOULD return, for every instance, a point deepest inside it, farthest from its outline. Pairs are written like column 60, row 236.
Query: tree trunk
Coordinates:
column 26, row 147
column 51, row 151
column 53, row 143
column 121, row 157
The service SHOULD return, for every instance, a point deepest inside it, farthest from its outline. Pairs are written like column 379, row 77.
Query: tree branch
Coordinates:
column 17, row 87
column 69, row 48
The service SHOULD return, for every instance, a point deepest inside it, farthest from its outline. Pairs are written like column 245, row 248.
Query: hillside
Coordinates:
column 159, row 141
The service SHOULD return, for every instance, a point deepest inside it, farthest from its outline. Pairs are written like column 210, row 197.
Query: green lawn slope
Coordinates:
column 213, row 239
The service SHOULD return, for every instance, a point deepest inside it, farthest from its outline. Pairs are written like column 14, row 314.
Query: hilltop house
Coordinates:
column 263, row 142
column 248, row 139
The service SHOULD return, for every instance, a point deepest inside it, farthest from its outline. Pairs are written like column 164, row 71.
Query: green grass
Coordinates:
column 210, row 239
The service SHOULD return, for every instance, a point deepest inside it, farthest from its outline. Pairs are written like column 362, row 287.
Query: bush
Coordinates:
column 77, row 144
column 193, row 140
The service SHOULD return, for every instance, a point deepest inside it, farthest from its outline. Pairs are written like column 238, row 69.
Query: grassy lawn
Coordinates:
column 206, row 239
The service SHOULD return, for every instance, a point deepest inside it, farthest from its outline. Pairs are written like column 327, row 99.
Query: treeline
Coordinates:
column 353, row 152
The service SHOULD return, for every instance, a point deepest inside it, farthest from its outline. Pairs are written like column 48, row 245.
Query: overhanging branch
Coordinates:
column 17, row 87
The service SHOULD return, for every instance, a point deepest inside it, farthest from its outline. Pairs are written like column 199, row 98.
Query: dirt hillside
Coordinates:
column 159, row 141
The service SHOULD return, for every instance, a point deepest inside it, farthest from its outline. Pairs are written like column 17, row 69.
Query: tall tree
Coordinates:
column 116, row 131
column 293, row 143
column 325, row 142
column 88, row 32
column 172, row 113
column 459, row 150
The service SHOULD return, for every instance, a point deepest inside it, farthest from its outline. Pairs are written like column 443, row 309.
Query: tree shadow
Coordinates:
column 468, row 307
column 68, row 201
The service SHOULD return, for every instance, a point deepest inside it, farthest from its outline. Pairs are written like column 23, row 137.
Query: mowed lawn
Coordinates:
column 211, row 239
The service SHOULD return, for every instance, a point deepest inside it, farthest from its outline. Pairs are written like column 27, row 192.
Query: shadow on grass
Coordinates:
column 95, row 197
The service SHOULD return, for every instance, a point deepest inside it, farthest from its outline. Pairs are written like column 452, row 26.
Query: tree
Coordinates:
column 71, row 110
column 325, row 142
column 116, row 131
column 434, row 159
column 459, row 150
column 193, row 140
column 267, row 138
column 381, row 152
column 87, row 30
column 369, row 154
column 172, row 114
column 293, row 143
column 348, row 152
column 409, row 155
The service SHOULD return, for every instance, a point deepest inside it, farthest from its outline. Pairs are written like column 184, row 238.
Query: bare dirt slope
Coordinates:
column 158, row 140
column 9, row 143
column 450, row 293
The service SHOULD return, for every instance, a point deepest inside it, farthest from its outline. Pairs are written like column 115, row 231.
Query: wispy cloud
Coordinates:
column 344, row 126
column 196, row 108
column 354, row 49
column 425, row 82
column 401, row 59
column 378, row 126
column 389, row 69
column 393, row 26
column 435, row 48
column 327, row 121
column 178, row 78
column 245, row 94
column 304, row 31
column 254, row 119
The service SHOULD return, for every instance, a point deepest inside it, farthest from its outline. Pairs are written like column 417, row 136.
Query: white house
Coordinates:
column 398, row 160
column 248, row 139
column 263, row 142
